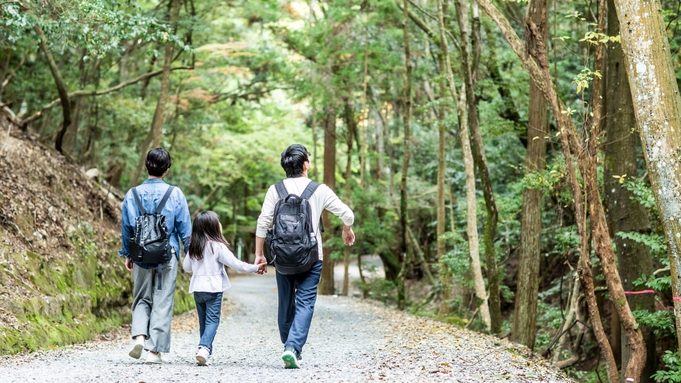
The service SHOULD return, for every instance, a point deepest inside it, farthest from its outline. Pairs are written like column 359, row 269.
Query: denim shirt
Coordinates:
column 176, row 211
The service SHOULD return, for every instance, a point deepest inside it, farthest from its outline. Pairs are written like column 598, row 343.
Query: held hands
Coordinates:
column 261, row 262
column 348, row 236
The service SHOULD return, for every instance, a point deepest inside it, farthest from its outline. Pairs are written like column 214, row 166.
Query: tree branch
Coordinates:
column 14, row 71
column 425, row 28
column 82, row 93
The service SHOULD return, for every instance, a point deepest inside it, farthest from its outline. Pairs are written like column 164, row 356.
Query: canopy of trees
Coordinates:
column 514, row 165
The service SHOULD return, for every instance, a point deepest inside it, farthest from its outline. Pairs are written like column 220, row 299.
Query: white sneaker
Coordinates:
column 154, row 358
column 136, row 351
column 202, row 356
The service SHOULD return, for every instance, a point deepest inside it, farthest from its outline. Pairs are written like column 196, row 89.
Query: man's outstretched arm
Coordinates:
column 334, row 205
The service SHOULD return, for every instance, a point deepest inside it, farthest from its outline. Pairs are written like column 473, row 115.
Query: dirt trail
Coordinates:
column 350, row 341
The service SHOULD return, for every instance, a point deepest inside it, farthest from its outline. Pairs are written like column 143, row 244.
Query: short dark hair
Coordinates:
column 292, row 160
column 158, row 161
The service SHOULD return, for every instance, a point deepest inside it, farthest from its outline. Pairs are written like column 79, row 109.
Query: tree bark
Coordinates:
column 441, row 129
column 525, row 311
column 153, row 139
column 572, row 308
column 404, row 221
column 471, row 208
column 61, row 88
column 483, row 170
column 625, row 214
column 326, row 284
column 351, row 125
column 657, row 105
column 539, row 72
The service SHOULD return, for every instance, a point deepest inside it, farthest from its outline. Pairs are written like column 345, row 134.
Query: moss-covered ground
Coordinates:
column 75, row 296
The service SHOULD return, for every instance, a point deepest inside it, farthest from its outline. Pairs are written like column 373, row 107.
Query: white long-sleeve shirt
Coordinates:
column 208, row 274
column 323, row 198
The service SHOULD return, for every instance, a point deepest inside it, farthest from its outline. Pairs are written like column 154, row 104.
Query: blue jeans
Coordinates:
column 297, row 296
column 208, row 306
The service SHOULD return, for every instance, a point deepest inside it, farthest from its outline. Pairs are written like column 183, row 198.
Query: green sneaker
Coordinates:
column 290, row 357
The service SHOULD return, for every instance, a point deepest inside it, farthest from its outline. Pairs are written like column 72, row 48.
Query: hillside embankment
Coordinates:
column 61, row 279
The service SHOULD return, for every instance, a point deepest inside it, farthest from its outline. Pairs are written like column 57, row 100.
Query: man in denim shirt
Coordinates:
column 152, row 308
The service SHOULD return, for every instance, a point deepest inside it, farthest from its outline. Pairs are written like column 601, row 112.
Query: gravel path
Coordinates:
column 350, row 341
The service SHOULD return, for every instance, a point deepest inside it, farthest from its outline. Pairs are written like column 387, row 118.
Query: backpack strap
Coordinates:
column 164, row 199
column 281, row 190
column 159, row 275
column 138, row 202
column 307, row 193
column 159, row 208
column 309, row 190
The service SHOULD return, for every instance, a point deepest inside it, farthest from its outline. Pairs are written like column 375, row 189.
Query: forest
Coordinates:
column 514, row 164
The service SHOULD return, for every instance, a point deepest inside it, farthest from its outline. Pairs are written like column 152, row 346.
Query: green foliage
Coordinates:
column 672, row 362
column 379, row 289
column 642, row 191
column 656, row 283
column 655, row 242
column 269, row 73
column 661, row 321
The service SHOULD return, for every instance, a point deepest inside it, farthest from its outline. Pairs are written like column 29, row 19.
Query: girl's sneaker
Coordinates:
column 154, row 358
column 202, row 356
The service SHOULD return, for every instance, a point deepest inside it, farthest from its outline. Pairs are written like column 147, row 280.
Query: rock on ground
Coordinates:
column 350, row 341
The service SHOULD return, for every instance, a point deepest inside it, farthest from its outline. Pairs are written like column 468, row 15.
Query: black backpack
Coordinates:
column 150, row 242
column 291, row 241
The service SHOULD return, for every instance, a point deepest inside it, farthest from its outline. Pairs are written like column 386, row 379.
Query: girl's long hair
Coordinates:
column 206, row 228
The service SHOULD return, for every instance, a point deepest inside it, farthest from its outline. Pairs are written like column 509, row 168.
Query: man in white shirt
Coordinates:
column 298, row 292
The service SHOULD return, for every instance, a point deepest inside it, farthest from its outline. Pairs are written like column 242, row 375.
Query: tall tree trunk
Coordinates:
column 445, row 273
column 365, row 118
column 401, row 298
column 525, row 311
column 570, row 140
column 446, row 277
column 61, row 88
column 441, row 169
column 624, row 212
column 153, row 139
column 471, row 208
column 326, row 284
column 351, row 125
column 145, row 83
column 652, row 80
column 315, row 171
column 441, row 129
column 481, row 164
column 380, row 146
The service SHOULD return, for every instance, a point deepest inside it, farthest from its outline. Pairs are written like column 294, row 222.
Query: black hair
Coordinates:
column 158, row 161
column 206, row 227
column 292, row 160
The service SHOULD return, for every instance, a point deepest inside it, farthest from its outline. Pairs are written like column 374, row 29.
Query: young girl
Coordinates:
column 208, row 254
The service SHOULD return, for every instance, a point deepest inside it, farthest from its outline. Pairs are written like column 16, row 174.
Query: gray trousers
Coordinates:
column 152, row 309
